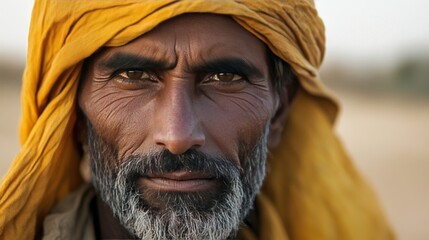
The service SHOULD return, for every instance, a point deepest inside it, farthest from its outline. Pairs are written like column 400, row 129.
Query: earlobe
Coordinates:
column 82, row 141
column 85, row 165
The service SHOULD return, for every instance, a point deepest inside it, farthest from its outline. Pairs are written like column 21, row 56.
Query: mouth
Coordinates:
column 179, row 181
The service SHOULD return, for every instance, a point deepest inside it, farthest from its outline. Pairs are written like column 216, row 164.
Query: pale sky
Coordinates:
column 375, row 29
column 361, row 30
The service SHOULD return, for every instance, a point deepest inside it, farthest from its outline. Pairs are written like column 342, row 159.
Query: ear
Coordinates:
column 81, row 130
column 278, row 123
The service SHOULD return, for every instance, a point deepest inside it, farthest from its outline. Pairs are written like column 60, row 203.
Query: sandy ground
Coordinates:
column 389, row 141
column 387, row 137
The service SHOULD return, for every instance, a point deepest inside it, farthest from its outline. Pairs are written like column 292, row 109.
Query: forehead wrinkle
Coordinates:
column 157, row 50
column 184, row 47
column 189, row 48
column 148, row 48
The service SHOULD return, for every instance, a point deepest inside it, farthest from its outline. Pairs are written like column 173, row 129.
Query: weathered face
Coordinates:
column 178, row 121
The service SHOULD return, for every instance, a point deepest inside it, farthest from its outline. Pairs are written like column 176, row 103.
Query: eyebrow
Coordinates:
column 132, row 61
column 229, row 65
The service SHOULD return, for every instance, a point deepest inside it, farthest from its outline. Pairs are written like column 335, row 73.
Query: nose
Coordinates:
column 177, row 127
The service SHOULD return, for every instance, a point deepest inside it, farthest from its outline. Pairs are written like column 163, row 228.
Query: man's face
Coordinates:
column 178, row 121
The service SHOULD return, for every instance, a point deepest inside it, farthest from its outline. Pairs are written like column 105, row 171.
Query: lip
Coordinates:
column 181, row 181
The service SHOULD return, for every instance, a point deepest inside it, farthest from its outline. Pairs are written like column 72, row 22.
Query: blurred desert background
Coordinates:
column 377, row 64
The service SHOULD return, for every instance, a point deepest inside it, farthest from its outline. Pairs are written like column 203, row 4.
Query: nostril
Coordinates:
column 159, row 143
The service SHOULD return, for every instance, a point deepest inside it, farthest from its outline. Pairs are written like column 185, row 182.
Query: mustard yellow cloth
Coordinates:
column 312, row 190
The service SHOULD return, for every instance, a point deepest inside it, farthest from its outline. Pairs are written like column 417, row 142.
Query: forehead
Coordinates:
column 196, row 37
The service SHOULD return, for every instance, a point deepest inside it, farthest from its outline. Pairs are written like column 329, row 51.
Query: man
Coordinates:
column 175, row 106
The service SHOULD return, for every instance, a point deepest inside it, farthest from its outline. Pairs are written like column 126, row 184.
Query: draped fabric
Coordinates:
column 312, row 190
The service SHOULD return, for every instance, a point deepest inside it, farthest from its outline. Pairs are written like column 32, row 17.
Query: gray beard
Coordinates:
column 215, row 215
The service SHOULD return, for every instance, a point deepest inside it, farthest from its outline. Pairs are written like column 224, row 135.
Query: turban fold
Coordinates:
column 312, row 191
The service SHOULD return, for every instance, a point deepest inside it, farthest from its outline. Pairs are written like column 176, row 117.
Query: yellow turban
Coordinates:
column 312, row 191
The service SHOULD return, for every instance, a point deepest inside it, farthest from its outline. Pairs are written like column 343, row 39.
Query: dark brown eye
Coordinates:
column 135, row 79
column 225, row 77
column 134, row 75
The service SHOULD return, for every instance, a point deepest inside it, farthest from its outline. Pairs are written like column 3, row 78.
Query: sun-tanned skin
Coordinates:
column 198, row 81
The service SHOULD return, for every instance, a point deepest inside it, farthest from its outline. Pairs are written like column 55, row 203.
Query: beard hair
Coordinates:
column 213, row 215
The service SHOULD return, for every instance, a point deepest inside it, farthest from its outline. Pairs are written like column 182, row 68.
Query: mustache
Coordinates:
column 192, row 160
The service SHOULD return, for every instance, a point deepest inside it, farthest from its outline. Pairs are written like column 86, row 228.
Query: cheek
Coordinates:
column 116, row 116
column 239, row 118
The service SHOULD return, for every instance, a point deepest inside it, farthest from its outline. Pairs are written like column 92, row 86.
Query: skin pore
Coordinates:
column 179, row 120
